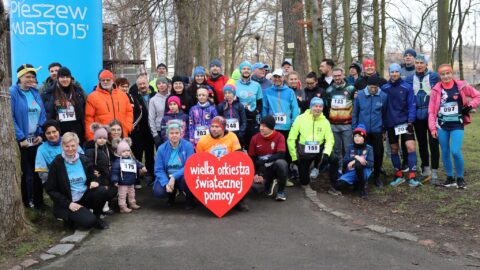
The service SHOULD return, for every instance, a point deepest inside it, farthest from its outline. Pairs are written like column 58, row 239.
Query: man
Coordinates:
column 369, row 108
column 354, row 72
column 162, row 71
column 106, row 104
column 250, row 94
column 369, row 70
column 310, row 139
column 326, row 68
column 399, row 118
column 340, row 98
column 286, row 67
column 267, row 150
column 220, row 142
column 423, row 81
column 408, row 65
column 259, row 70
column 142, row 139
column 217, row 80
column 52, row 78
column 311, row 90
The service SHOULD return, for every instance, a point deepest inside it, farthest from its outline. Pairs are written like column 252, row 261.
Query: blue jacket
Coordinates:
column 401, row 106
column 20, row 112
column 124, row 178
column 369, row 110
column 366, row 152
column 235, row 111
column 264, row 83
column 421, row 89
column 281, row 100
column 163, row 155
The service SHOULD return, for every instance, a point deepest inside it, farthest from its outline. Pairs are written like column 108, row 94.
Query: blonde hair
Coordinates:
column 70, row 136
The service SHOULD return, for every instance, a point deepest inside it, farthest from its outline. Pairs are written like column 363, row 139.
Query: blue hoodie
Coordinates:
column 369, row 110
column 163, row 155
column 281, row 100
column 20, row 112
column 401, row 106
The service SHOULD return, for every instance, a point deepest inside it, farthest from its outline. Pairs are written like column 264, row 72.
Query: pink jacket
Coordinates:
column 465, row 89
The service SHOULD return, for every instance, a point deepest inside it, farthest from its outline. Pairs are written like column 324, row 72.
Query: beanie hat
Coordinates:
column 161, row 80
column 99, row 131
column 124, row 145
column 374, row 80
column 245, row 64
column 229, row 87
column 421, row 58
column 268, row 121
column 356, row 66
column 394, row 67
column 360, row 129
column 216, row 62
column 236, row 74
column 410, row 51
column 174, row 99
column 198, row 71
column 316, row 101
column 106, row 74
column 162, row 65
column 368, row 62
column 177, row 78
column 64, row 72
column 219, row 120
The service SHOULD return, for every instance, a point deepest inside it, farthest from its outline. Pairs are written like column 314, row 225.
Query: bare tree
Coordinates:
column 443, row 26
column 360, row 30
column 347, row 34
column 184, row 52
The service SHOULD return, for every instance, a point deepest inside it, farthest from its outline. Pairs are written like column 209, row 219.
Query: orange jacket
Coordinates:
column 102, row 107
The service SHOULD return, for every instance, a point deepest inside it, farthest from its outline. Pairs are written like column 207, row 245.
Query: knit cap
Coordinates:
column 410, row 51
column 161, row 80
column 216, row 62
column 174, row 99
column 106, row 74
column 219, row 120
column 360, row 129
column 374, row 80
column 230, row 88
column 394, row 67
column 245, row 64
column 198, row 71
column 268, row 121
column 99, row 131
column 356, row 66
column 316, row 101
column 177, row 78
column 236, row 74
column 122, row 147
column 421, row 58
column 368, row 62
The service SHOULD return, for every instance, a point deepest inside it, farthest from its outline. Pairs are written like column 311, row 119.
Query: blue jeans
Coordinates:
column 343, row 138
column 451, row 144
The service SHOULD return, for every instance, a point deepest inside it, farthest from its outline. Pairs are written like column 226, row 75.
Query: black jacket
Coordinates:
column 102, row 163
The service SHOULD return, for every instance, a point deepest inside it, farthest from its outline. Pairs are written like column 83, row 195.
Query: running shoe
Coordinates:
column 334, row 192
column 314, row 173
column 450, row 182
column 281, row 196
column 461, row 183
column 398, row 181
column 414, row 183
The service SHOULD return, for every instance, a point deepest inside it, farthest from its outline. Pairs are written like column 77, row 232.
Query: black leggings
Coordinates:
column 375, row 140
column 423, row 134
column 92, row 199
column 31, row 185
column 304, row 168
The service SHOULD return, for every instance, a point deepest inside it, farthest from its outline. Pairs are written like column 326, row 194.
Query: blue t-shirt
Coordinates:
column 78, row 178
column 34, row 111
column 174, row 162
column 248, row 93
column 450, row 114
column 46, row 153
column 146, row 98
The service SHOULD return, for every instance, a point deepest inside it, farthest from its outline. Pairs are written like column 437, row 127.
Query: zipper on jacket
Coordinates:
column 113, row 106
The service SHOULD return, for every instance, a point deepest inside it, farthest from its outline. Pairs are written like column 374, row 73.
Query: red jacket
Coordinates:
column 218, row 85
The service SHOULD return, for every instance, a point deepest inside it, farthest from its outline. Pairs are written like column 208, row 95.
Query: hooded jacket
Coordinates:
column 172, row 116
column 163, row 155
column 124, row 178
column 235, row 110
column 281, row 100
column 369, row 110
column 156, row 112
column 200, row 116
column 401, row 107
column 19, row 108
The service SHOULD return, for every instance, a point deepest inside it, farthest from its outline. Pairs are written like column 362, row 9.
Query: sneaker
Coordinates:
column 334, row 192
column 281, row 196
column 398, row 181
column 414, row 183
column 138, row 186
column 314, row 173
column 363, row 193
column 405, row 168
column 426, row 179
column 461, row 183
column 378, row 182
column 101, row 225
column 289, row 183
column 450, row 182
column 271, row 189
column 109, row 212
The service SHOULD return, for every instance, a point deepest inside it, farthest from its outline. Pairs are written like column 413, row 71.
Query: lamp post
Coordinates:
column 257, row 38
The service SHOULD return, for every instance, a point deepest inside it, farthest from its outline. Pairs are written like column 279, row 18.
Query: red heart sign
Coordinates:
column 219, row 183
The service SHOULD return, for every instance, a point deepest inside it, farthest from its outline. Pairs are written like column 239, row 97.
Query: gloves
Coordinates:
column 410, row 128
column 466, row 110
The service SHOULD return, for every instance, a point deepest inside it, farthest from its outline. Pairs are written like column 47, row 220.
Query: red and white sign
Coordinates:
column 219, row 183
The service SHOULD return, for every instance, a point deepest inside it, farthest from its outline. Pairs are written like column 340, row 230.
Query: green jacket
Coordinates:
column 306, row 128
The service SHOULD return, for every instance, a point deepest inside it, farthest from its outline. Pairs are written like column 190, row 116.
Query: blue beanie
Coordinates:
column 198, row 71
column 410, row 51
column 245, row 63
column 316, row 101
column 421, row 58
column 216, row 62
column 360, row 129
column 229, row 87
column 394, row 67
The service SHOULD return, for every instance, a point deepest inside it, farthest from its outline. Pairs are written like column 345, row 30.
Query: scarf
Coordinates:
column 70, row 160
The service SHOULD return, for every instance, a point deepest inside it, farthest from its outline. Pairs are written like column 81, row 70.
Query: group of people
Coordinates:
column 85, row 151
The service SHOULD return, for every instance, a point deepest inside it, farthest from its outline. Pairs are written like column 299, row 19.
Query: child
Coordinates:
column 201, row 115
column 234, row 112
column 125, row 171
column 174, row 112
column 358, row 163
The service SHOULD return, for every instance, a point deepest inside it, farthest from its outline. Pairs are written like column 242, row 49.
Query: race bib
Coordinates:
column 67, row 115
column 339, row 102
column 233, row 124
column 128, row 165
column 401, row 129
column 280, row 118
column 312, row 147
column 200, row 131
column 30, row 140
column 449, row 108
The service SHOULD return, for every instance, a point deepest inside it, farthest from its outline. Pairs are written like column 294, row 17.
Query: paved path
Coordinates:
column 273, row 235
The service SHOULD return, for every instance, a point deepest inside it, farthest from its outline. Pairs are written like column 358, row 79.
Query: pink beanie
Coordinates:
column 100, row 132
column 122, row 147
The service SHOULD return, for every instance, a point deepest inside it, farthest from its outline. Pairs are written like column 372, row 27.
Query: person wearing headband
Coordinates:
column 448, row 114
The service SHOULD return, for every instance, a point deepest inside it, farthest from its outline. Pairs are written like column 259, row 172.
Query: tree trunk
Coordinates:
column 165, row 32
column 381, row 63
column 360, row 30
column 294, row 32
column 460, row 38
column 204, row 6
column 213, row 31
column 334, row 30
column 275, row 35
column 12, row 222
column 184, row 49
column 347, row 34
column 443, row 26
column 151, row 37
column 376, row 33
column 316, row 39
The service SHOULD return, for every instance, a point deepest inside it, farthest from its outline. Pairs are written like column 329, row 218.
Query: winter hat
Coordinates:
column 368, row 62
column 245, row 64
column 106, row 74
column 410, row 51
column 360, row 129
column 268, row 121
column 316, row 101
column 374, row 80
column 216, row 62
column 198, row 71
column 123, row 145
column 219, row 120
column 64, row 72
column 236, row 74
column 161, row 80
column 99, row 131
column 229, row 87
column 162, row 65
column 421, row 58
column 394, row 67
column 174, row 99
column 177, row 78
column 356, row 66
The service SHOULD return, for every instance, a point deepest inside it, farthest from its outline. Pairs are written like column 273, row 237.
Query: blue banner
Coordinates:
column 67, row 31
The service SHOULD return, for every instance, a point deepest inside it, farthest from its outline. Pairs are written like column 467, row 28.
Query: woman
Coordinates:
column 448, row 113
column 65, row 101
column 200, row 79
column 169, row 163
column 72, row 190
column 179, row 91
column 28, row 115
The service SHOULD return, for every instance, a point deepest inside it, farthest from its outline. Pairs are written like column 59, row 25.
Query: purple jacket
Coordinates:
column 200, row 116
column 174, row 116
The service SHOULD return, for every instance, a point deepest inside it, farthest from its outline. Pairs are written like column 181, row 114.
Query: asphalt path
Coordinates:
column 272, row 235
